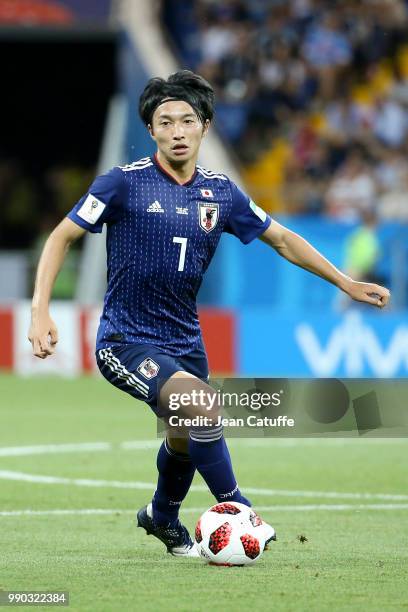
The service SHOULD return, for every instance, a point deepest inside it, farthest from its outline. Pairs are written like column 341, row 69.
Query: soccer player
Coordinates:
column 165, row 216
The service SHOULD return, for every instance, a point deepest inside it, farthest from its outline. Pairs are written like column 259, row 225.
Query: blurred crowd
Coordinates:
column 33, row 204
column 313, row 96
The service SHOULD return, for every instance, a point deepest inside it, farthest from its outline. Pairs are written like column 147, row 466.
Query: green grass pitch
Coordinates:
column 355, row 556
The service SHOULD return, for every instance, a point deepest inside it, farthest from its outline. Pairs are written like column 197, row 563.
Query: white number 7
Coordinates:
column 183, row 242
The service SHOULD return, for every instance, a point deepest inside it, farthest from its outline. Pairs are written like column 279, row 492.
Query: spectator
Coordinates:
column 362, row 252
column 362, row 249
column 327, row 50
column 237, row 68
column 342, row 120
column 282, row 75
column 352, row 191
column 312, row 79
column 391, row 170
column 390, row 122
column 217, row 40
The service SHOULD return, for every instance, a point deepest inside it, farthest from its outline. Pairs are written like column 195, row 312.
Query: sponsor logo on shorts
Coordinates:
column 148, row 368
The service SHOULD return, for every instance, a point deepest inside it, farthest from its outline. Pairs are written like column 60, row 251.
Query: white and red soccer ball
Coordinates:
column 229, row 534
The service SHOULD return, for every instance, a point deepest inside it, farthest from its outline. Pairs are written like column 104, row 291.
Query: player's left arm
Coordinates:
column 297, row 250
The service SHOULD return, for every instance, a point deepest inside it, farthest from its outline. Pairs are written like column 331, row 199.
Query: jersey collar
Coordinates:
column 169, row 176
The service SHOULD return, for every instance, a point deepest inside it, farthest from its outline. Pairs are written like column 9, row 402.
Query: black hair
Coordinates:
column 182, row 85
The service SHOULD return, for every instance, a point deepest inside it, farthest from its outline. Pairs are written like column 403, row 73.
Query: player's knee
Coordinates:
column 190, row 397
column 178, row 444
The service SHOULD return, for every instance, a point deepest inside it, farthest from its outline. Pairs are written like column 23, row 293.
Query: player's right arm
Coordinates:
column 103, row 203
column 43, row 333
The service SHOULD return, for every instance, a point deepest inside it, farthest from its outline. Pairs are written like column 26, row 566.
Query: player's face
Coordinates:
column 177, row 131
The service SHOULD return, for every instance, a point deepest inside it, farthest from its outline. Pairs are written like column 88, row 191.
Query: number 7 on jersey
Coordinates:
column 182, row 259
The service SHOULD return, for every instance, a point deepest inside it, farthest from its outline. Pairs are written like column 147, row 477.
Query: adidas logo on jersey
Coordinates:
column 181, row 211
column 155, row 207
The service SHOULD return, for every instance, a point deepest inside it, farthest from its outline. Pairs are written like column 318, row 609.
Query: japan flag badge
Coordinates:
column 206, row 193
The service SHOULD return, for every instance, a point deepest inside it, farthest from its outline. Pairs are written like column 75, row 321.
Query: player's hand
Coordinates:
column 43, row 335
column 369, row 293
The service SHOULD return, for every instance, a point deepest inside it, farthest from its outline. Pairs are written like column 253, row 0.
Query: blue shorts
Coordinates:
column 138, row 368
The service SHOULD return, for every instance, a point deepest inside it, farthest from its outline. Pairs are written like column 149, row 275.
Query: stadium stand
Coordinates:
column 312, row 97
column 301, row 85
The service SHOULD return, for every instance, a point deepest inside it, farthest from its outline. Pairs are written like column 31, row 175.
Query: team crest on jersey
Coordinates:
column 148, row 368
column 207, row 216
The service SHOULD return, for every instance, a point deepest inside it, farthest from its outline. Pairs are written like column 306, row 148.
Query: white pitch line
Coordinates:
column 140, row 444
column 150, row 486
column 79, row 482
column 312, row 507
column 82, row 511
column 325, row 494
column 45, row 449
column 82, row 447
column 317, row 441
column 277, row 508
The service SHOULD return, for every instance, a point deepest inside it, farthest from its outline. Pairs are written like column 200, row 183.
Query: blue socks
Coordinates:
column 176, row 472
column 213, row 461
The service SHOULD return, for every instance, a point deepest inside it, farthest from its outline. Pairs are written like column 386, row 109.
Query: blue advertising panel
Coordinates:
column 354, row 344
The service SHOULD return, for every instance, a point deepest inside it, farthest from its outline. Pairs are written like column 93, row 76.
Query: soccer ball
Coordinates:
column 229, row 534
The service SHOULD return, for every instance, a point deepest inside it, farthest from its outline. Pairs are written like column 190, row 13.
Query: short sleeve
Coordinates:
column 103, row 203
column 246, row 220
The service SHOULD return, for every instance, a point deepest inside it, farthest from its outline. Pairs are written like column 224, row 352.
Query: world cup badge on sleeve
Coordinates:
column 208, row 216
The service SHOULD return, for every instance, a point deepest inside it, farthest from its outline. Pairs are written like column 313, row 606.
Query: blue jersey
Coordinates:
column 161, row 237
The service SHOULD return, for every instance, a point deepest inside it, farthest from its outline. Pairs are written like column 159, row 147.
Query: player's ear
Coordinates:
column 206, row 127
column 150, row 128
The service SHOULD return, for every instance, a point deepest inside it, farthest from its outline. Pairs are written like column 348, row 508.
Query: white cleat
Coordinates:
column 269, row 534
column 185, row 551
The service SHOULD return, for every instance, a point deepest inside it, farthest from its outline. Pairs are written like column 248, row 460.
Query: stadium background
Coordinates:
column 311, row 120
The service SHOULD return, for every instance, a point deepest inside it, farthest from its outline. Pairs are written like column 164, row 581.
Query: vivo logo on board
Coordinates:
column 356, row 345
